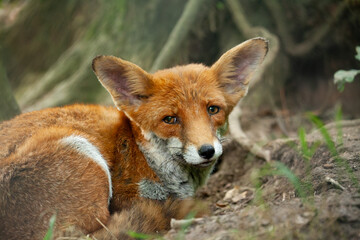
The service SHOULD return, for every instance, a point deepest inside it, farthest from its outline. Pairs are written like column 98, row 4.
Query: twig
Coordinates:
column 334, row 182
column 70, row 238
column 177, row 224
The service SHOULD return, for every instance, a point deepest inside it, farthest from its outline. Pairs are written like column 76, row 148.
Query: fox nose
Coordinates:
column 206, row 151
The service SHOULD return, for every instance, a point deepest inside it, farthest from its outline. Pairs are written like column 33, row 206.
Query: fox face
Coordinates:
column 181, row 112
column 188, row 111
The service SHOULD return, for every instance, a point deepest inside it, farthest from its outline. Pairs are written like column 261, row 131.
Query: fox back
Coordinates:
column 88, row 163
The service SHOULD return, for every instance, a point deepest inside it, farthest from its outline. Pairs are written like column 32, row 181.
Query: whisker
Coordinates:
column 225, row 140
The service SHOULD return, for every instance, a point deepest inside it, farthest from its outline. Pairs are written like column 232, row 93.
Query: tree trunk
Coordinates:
column 8, row 105
column 116, row 27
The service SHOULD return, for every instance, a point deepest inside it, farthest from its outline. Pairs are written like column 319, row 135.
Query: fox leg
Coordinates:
column 148, row 216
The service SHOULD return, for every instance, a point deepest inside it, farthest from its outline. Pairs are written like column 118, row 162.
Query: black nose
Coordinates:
column 206, row 151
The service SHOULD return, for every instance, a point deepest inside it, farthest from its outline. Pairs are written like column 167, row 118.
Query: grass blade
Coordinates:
column 50, row 231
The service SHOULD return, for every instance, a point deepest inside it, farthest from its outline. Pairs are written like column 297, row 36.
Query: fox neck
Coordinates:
column 177, row 179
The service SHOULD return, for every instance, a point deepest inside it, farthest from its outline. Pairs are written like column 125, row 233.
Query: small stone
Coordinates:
column 231, row 193
column 308, row 214
column 265, row 222
column 328, row 165
column 239, row 197
column 301, row 220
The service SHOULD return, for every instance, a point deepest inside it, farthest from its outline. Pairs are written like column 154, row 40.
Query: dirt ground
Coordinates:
column 250, row 200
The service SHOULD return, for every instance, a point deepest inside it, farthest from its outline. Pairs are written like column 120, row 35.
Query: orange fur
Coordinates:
column 55, row 160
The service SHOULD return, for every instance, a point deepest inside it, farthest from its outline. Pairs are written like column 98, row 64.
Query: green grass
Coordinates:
column 340, row 162
column 338, row 118
column 306, row 151
column 276, row 168
column 141, row 235
column 304, row 187
column 50, row 231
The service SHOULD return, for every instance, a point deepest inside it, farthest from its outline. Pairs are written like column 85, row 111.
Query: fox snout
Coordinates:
column 204, row 155
column 206, row 151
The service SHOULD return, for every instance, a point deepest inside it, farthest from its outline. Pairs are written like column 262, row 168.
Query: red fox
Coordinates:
column 91, row 164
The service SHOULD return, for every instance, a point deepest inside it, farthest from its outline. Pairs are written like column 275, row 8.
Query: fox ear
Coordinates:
column 235, row 67
column 126, row 82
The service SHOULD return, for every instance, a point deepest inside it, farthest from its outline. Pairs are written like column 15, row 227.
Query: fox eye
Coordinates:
column 213, row 110
column 170, row 120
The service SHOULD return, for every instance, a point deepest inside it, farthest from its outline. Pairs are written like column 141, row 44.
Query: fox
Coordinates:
column 133, row 166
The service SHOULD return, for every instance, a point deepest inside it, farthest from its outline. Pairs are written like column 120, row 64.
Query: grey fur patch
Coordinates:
column 152, row 190
column 177, row 178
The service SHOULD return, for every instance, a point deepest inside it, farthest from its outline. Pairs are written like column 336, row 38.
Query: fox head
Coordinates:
column 182, row 110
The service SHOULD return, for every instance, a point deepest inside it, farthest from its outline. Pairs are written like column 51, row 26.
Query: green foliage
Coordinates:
column 357, row 56
column 137, row 235
column 343, row 76
column 50, row 231
column 346, row 76
column 220, row 5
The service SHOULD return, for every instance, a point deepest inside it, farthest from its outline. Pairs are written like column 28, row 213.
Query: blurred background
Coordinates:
column 47, row 46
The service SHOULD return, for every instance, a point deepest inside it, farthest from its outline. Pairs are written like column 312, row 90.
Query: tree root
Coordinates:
column 302, row 48
column 239, row 135
column 240, row 20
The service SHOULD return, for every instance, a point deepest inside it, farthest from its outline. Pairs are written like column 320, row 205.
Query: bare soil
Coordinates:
column 248, row 204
